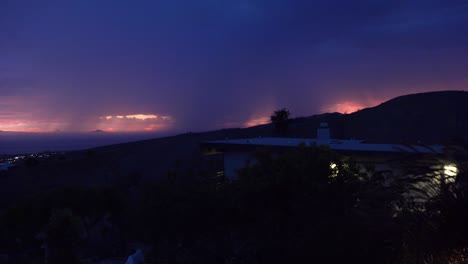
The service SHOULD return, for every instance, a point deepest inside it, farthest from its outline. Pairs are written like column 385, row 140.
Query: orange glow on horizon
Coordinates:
column 254, row 121
column 157, row 127
column 27, row 126
column 257, row 121
column 345, row 107
column 108, row 123
column 348, row 107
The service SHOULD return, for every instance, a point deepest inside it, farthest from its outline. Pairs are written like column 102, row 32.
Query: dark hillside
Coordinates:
column 436, row 117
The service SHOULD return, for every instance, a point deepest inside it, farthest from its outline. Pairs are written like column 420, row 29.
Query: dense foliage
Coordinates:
column 307, row 205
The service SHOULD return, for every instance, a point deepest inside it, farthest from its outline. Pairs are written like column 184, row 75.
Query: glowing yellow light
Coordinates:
column 333, row 169
column 450, row 170
column 120, row 117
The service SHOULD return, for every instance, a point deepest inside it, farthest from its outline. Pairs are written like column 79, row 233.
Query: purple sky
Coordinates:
column 180, row 65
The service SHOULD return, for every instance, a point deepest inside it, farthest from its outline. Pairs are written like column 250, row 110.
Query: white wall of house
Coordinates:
column 233, row 161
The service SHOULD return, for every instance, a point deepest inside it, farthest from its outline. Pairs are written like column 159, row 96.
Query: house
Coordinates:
column 236, row 153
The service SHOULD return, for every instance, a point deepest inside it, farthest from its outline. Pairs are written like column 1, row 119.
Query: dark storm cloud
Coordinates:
column 211, row 63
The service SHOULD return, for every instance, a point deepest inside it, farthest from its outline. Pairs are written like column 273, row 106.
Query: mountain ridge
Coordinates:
column 433, row 117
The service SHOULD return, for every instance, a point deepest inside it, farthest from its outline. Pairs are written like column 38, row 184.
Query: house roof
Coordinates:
column 334, row 144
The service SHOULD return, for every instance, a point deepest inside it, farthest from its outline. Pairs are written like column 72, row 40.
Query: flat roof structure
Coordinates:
column 236, row 153
column 334, row 144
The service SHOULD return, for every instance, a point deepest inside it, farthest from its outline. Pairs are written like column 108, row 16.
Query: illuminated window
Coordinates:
column 333, row 170
column 450, row 170
column 450, row 173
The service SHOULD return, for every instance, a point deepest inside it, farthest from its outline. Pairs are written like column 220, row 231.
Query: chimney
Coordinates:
column 323, row 132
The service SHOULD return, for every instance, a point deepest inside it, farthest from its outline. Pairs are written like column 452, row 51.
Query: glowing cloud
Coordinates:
column 134, row 116
column 142, row 116
column 135, row 123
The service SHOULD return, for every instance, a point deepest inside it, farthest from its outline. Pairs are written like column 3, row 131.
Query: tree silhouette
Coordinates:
column 280, row 120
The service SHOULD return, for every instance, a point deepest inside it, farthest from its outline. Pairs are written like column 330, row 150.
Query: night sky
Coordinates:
column 195, row 65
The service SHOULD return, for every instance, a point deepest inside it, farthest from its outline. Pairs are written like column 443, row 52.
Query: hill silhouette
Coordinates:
column 435, row 117
column 432, row 118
